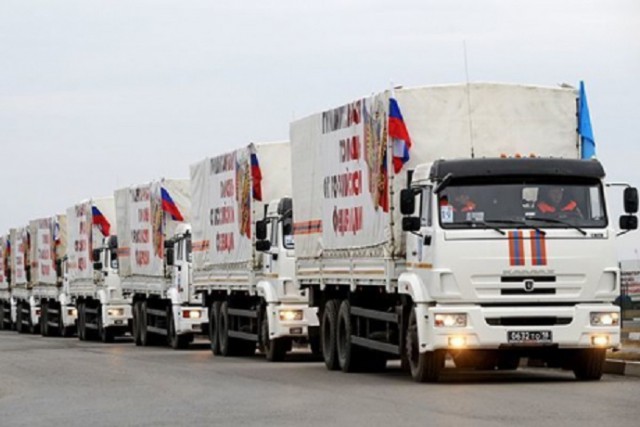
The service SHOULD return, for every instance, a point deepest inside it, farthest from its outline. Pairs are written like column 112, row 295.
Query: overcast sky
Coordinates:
column 96, row 95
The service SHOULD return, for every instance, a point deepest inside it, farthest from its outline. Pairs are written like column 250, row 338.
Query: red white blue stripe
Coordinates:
column 399, row 136
column 169, row 206
column 100, row 221
column 256, row 176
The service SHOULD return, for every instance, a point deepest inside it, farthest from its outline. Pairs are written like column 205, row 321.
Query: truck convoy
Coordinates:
column 453, row 224
column 48, row 258
column 154, row 260
column 417, row 239
column 237, row 198
column 92, row 280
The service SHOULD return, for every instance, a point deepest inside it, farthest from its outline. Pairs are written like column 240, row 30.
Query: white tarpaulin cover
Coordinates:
column 19, row 255
column 344, row 192
column 224, row 206
column 4, row 262
column 143, row 225
column 43, row 269
column 83, row 235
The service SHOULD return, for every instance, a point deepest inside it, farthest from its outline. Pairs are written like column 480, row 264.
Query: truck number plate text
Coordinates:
column 529, row 337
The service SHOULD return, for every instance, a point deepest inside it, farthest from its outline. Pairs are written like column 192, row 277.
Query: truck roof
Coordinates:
column 552, row 167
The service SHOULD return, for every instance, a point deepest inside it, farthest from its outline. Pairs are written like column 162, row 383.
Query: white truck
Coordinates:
column 27, row 312
column 155, row 265
column 453, row 253
column 6, row 306
column 92, row 282
column 48, row 253
column 237, row 198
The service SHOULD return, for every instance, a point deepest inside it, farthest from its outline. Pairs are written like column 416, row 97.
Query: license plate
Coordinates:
column 529, row 337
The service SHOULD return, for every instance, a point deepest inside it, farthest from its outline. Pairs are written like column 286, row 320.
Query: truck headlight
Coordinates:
column 605, row 319
column 115, row 312
column 450, row 320
column 191, row 314
column 290, row 315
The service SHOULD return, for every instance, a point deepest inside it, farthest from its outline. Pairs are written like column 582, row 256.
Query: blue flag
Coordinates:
column 588, row 144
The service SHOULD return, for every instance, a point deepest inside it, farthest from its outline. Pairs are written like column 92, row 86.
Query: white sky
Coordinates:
column 96, row 95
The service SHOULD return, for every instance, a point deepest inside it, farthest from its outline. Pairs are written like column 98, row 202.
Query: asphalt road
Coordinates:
column 64, row 382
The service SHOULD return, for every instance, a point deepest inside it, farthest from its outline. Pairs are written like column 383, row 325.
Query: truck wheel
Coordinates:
column 347, row 352
column 1, row 315
column 214, row 319
column 135, row 323
column 508, row 362
column 424, row 367
column 44, row 319
column 588, row 364
column 145, row 336
column 175, row 341
column 275, row 350
column 314, row 341
column 81, row 328
column 19, row 318
column 328, row 334
column 106, row 334
column 226, row 344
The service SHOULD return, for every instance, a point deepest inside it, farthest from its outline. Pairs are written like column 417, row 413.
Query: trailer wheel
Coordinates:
column 44, row 319
column 81, row 329
column 425, row 367
column 177, row 342
column 135, row 323
column 328, row 327
column 275, row 350
column 588, row 364
column 214, row 325
column 145, row 336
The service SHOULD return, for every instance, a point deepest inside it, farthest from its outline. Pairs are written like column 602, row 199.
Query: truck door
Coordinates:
column 420, row 245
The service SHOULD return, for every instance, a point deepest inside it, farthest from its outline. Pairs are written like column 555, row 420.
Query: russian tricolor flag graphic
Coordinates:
column 256, row 176
column 169, row 206
column 399, row 135
column 100, row 221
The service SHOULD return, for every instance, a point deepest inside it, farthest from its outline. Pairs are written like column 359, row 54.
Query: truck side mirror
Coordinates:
column 407, row 202
column 631, row 200
column 628, row 222
column 261, row 230
column 169, row 256
column 263, row 245
column 411, row 223
column 97, row 266
column 95, row 255
column 168, row 244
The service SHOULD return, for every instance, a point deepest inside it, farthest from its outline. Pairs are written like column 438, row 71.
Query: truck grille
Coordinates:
column 528, row 321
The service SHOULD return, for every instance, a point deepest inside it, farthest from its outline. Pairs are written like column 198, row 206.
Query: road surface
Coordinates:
column 64, row 382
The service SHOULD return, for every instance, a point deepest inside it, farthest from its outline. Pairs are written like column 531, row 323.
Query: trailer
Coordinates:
column 400, row 268
column 103, row 312
column 154, row 260
column 47, row 254
column 238, row 197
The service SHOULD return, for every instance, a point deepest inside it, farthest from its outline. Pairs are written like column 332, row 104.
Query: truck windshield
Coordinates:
column 526, row 203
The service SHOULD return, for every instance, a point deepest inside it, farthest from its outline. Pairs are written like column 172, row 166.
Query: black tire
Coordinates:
column 135, row 324
column 424, row 367
column 328, row 341
column 44, row 319
column 314, row 341
column 145, row 336
column 508, row 362
column 588, row 364
column 226, row 344
column 81, row 327
column 347, row 352
column 175, row 341
column 106, row 334
column 214, row 318
column 19, row 318
column 275, row 350
column 1, row 315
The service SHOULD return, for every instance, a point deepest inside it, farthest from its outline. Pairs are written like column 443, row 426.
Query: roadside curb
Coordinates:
column 622, row 367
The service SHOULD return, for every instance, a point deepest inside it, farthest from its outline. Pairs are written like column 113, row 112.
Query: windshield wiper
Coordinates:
column 516, row 222
column 493, row 227
column 558, row 221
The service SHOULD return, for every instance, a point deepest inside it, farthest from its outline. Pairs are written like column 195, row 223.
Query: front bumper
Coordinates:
column 186, row 323
column 279, row 328
column 117, row 315
column 482, row 332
